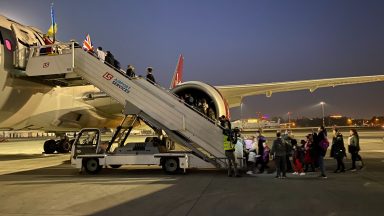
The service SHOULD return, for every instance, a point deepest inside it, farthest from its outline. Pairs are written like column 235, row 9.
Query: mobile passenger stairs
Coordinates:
column 157, row 107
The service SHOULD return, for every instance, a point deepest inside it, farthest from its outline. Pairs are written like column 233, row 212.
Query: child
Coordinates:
column 298, row 159
column 252, row 157
column 264, row 158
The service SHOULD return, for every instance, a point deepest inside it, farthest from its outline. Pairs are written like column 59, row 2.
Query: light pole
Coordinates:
column 289, row 119
column 241, row 111
column 322, row 108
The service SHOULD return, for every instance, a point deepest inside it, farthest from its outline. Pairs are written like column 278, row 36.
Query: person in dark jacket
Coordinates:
column 224, row 122
column 150, row 76
column 260, row 146
column 290, row 140
column 109, row 59
column 309, row 158
column 338, row 150
column 321, row 150
column 116, row 64
column 279, row 152
column 263, row 159
column 354, row 148
column 130, row 71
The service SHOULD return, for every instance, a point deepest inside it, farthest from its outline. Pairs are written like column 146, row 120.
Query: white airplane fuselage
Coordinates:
column 27, row 103
column 37, row 103
column 69, row 103
column 35, row 106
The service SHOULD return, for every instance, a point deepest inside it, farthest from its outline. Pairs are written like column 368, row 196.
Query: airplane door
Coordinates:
column 6, row 54
column 24, row 39
column 3, row 74
column 1, row 50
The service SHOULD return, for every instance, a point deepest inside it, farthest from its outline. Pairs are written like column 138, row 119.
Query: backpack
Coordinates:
column 324, row 144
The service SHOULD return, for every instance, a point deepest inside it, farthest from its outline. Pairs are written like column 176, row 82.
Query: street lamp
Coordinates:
column 322, row 108
column 241, row 110
column 289, row 119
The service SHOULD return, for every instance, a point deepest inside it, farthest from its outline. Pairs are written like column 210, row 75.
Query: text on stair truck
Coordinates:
column 117, row 82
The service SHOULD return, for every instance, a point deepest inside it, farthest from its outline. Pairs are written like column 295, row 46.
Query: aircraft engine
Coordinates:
column 199, row 91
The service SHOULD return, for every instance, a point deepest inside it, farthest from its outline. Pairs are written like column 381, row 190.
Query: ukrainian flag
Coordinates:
column 53, row 28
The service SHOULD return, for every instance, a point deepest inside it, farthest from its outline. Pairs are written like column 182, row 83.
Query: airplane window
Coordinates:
column 8, row 44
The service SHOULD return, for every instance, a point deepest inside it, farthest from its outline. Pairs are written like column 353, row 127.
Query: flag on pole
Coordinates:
column 87, row 43
column 53, row 28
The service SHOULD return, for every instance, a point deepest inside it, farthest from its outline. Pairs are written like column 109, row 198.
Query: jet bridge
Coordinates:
column 154, row 104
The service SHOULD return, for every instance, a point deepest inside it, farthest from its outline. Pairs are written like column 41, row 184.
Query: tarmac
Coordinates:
column 32, row 183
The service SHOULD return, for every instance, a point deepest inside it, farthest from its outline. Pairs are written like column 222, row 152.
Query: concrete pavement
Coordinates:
column 50, row 186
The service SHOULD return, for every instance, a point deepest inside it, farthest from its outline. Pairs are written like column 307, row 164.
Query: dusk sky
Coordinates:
column 236, row 42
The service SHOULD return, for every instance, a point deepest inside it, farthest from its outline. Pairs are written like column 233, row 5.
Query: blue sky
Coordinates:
column 236, row 42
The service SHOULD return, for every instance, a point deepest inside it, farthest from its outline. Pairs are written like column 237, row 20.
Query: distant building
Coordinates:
column 254, row 124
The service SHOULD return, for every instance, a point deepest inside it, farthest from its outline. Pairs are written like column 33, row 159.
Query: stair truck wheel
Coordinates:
column 115, row 166
column 170, row 165
column 63, row 146
column 49, row 146
column 91, row 165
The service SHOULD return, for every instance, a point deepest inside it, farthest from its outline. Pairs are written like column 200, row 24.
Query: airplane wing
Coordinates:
column 235, row 93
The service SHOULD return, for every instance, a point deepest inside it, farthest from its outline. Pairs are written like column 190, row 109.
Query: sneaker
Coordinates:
column 238, row 175
column 249, row 173
column 343, row 170
column 323, row 176
column 284, row 177
column 302, row 174
column 277, row 177
column 336, row 171
column 353, row 170
column 295, row 173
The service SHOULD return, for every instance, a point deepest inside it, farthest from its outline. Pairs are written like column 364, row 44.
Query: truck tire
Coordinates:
column 49, row 146
column 91, row 165
column 115, row 166
column 170, row 165
column 63, row 146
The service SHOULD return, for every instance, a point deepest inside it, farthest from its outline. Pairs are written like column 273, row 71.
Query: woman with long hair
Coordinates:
column 338, row 150
column 354, row 148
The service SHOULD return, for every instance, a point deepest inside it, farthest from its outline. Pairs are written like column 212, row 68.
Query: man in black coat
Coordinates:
column 150, row 76
column 338, row 150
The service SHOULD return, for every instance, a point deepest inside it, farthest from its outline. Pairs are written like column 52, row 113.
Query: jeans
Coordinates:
column 340, row 164
column 281, row 165
column 355, row 156
column 321, row 165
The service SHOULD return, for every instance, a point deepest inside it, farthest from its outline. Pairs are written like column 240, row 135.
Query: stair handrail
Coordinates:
column 122, row 72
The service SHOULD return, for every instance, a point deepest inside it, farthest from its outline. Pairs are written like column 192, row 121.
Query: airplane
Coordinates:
column 67, row 103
